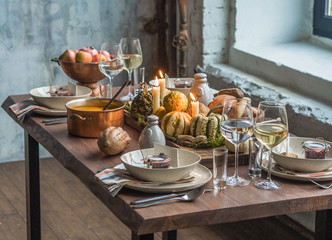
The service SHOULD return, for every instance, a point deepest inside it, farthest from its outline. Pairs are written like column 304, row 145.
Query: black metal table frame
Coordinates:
column 323, row 224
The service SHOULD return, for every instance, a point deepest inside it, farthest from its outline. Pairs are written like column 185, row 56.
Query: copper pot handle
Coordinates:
column 74, row 115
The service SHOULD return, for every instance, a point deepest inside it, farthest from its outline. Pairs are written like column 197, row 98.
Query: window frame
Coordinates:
column 322, row 25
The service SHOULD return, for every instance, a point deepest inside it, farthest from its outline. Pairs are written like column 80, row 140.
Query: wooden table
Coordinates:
column 82, row 157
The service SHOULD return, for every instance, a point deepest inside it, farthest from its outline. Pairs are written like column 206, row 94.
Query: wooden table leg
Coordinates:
column 32, row 185
column 149, row 236
column 323, row 225
column 170, row 235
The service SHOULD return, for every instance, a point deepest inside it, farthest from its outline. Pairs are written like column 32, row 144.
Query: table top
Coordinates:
column 83, row 158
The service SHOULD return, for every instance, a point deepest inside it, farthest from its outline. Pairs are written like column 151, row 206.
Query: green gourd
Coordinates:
column 208, row 126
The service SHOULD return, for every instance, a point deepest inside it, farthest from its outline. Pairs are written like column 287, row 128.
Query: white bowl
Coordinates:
column 133, row 163
column 42, row 97
column 300, row 164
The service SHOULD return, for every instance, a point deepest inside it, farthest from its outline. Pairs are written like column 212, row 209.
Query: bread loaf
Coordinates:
column 235, row 92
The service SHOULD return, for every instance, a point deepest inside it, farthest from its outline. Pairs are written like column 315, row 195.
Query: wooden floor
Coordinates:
column 70, row 211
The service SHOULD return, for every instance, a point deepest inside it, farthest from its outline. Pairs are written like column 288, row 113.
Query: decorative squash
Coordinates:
column 176, row 123
column 175, row 101
column 160, row 113
column 202, row 109
column 113, row 140
column 208, row 126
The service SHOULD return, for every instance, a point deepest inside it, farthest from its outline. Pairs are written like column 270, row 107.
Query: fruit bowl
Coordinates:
column 299, row 163
column 135, row 165
column 81, row 72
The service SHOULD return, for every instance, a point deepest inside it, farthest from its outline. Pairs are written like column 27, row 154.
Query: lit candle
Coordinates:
column 194, row 106
column 155, row 98
column 162, row 86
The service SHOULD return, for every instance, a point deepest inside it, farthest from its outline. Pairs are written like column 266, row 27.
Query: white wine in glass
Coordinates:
column 271, row 128
column 132, row 58
column 237, row 128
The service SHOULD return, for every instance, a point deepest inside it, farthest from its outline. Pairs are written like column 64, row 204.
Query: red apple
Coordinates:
column 68, row 56
column 102, row 58
column 112, row 56
column 106, row 54
column 92, row 51
column 83, row 57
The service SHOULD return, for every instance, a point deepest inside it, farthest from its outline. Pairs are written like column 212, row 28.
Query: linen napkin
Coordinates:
column 22, row 108
column 114, row 179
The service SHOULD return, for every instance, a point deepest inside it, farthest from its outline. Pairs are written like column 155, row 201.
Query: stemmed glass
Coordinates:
column 237, row 128
column 132, row 58
column 110, row 64
column 271, row 128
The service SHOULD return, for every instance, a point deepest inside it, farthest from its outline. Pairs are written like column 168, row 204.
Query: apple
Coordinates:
column 83, row 57
column 92, row 51
column 68, row 56
column 112, row 56
column 106, row 54
column 101, row 58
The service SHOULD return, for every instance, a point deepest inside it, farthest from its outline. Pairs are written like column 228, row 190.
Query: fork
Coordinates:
column 321, row 185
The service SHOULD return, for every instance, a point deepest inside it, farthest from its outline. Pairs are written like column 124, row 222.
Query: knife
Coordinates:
column 149, row 199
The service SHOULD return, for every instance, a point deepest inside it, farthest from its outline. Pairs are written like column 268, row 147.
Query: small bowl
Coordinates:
column 135, row 165
column 41, row 97
column 176, row 84
column 300, row 164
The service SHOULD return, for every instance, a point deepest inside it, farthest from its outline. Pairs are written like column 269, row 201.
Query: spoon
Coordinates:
column 189, row 196
column 120, row 90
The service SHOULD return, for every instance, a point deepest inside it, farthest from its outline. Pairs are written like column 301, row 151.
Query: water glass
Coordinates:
column 255, row 158
column 219, row 171
column 105, row 88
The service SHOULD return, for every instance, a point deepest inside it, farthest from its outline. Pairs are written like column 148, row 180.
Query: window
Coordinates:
column 323, row 18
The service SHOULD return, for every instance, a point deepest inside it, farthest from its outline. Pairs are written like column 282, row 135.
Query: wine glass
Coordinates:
column 110, row 64
column 237, row 128
column 271, row 128
column 132, row 58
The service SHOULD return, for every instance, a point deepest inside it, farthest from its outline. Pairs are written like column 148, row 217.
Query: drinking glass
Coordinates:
column 237, row 128
column 132, row 58
column 110, row 64
column 271, row 128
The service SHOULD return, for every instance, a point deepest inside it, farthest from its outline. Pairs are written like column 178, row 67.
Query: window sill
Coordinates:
column 307, row 117
column 300, row 66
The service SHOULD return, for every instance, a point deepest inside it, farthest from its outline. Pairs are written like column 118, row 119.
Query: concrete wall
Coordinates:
column 32, row 32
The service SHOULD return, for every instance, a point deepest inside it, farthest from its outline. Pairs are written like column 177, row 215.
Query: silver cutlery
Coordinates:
column 186, row 197
column 324, row 186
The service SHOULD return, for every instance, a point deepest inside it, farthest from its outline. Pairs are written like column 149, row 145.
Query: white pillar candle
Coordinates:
column 155, row 98
column 162, row 88
column 194, row 108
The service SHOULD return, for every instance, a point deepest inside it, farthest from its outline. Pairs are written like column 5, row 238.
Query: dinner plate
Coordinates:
column 202, row 176
column 52, row 113
column 280, row 174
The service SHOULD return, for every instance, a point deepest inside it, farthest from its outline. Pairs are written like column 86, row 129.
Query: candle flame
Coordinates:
column 192, row 96
column 157, row 82
column 161, row 74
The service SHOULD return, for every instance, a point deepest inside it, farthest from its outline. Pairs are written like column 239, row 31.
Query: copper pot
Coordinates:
column 85, row 123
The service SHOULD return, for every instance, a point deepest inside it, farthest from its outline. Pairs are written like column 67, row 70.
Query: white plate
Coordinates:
column 280, row 174
column 202, row 176
column 53, row 113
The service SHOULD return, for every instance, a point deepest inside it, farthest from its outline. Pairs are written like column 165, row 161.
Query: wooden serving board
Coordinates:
column 206, row 154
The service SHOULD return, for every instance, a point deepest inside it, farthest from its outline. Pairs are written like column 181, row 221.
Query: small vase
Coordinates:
column 151, row 134
column 201, row 89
